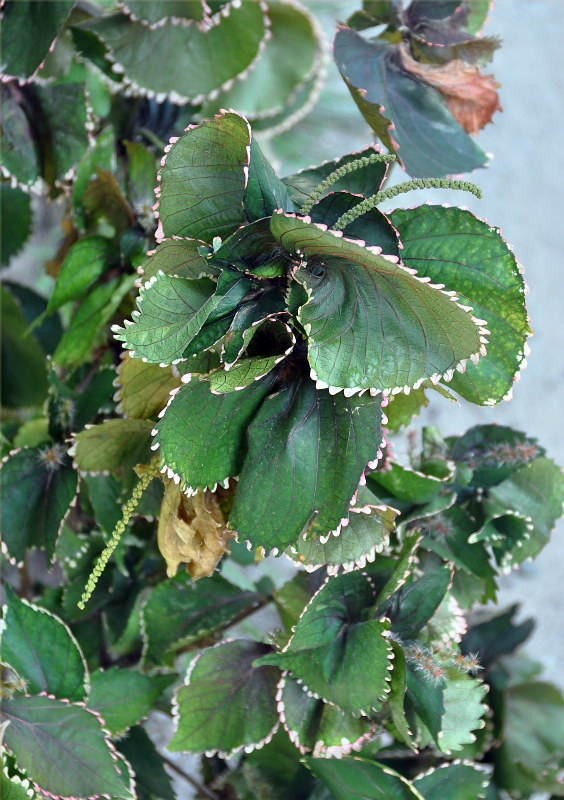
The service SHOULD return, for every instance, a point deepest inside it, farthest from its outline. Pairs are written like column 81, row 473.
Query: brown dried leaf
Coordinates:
column 471, row 97
column 192, row 530
column 70, row 236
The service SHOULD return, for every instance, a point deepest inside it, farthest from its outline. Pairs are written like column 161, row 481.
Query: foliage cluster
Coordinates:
column 275, row 339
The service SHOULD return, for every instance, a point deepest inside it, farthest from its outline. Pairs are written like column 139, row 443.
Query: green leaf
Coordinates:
column 243, row 373
column 313, row 725
column 358, row 779
column 273, row 83
column 180, row 258
column 24, row 378
column 417, row 601
column 153, row 12
column 463, row 714
column 265, row 191
column 27, row 33
column 408, row 485
column 431, row 143
column 203, row 180
column 206, row 57
column 103, row 199
column 455, row 781
column 104, row 494
column 173, row 312
column 89, row 321
column 89, row 258
column 202, row 435
column 20, row 158
column 474, row 260
column 212, row 711
column 116, row 445
column 393, row 331
column 403, row 407
column 537, row 492
column 60, row 111
column 256, row 317
column 33, row 305
column 62, row 747
column 497, row 636
column 335, row 652
column 151, row 778
column 396, row 697
column 123, row 697
column 192, row 609
column 16, row 220
column 141, row 179
column 143, row 389
column 42, row 650
column 14, row 787
column 494, row 452
column 373, row 227
column 308, row 449
column 44, row 484
column 363, row 181
column 533, row 732
column 426, row 700
column 292, row 598
column 395, row 576
column 367, row 533
column 102, row 155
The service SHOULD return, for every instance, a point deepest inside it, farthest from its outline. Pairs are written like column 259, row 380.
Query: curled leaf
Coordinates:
column 192, row 530
column 471, row 97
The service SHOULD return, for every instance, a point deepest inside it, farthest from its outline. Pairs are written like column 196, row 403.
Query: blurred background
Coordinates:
column 522, row 194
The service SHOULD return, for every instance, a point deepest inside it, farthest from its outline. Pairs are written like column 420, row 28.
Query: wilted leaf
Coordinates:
column 192, row 530
column 429, row 140
column 471, row 96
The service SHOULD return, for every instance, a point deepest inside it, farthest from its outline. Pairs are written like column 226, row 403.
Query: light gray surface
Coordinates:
column 523, row 195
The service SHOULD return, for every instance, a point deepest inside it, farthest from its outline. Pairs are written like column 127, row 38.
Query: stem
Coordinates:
column 246, row 612
column 152, row 137
column 417, row 183
column 200, row 787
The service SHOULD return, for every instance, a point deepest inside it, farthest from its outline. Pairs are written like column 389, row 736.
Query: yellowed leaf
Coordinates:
column 471, row 97
column 192, row 530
